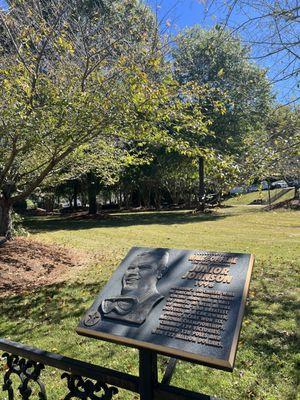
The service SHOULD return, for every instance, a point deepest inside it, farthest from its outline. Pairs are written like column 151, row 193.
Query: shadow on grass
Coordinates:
column 53, row 304
column 47, row 305
column 55, row 310
column 46, row 224
column 276, row 345
column 269, row 339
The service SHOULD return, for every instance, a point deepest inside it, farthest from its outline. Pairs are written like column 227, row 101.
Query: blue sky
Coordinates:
column 176, row 15
column 180, row 14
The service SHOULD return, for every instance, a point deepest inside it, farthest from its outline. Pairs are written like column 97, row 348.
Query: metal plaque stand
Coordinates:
column 80, row 372
column 148, row 374
column 150, row 388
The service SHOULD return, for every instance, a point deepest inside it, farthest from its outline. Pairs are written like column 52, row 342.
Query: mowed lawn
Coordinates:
column 266, row 364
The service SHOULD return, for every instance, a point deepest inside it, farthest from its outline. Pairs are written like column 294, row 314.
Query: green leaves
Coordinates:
column 218, row 59
column 89, row 88
column 273, row 151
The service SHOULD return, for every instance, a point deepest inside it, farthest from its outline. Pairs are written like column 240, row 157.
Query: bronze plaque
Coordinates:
column 182, row 303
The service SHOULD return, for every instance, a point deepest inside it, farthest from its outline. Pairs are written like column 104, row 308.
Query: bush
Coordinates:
column 18, row 229
column 30, row 204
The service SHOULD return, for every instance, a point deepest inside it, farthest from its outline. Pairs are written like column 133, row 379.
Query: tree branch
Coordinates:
column 41, row 53
column 9, row 162
column 53, row 162
column 14, row 43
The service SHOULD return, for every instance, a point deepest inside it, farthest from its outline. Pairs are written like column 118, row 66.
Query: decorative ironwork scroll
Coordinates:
column 85, row 389
column 28, row 371
column 85, row 381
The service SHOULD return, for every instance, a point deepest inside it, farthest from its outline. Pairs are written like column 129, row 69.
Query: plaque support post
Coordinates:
column 147, row 373
column 169, row 371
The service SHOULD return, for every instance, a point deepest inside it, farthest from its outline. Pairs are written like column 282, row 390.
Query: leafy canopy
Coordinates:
column 218, row 58
column 77, row 90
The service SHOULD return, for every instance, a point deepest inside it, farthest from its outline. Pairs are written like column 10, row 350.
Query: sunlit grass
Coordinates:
column 248, row 198
column 267, row 355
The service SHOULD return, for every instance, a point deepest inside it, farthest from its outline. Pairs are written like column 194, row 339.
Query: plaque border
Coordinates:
column 184, row 355
column 238, row 327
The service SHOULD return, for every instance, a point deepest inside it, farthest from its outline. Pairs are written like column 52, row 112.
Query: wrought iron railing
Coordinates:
column 84, row 380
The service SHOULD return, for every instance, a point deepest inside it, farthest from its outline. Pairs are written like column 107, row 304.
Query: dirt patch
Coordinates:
column 26, row 264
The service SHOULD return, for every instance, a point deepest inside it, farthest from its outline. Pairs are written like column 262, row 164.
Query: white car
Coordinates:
column 279, row 184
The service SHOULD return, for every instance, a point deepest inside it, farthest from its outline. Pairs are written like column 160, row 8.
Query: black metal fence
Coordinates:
column 84, row 380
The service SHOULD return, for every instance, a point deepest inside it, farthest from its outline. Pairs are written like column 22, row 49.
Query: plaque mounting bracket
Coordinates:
column 150, row 388
column 148, row 373
column 169, row 371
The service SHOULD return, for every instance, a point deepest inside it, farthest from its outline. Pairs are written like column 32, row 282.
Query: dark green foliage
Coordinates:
column 20, row 206
column 218, row 59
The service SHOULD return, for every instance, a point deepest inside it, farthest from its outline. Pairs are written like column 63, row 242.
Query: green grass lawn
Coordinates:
column 267, row 354
column 246, row 199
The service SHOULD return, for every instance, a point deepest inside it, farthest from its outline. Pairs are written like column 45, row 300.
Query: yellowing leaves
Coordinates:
column 65, row 44
column 221, row 73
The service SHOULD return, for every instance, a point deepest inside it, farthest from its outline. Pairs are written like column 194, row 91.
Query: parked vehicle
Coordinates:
column 238, row 190
column 293, row 182
column 264, row 185
column 279, row 184
column 252, row 188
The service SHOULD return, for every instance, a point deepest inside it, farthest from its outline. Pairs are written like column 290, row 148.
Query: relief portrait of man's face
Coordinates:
column 141, row 276
column 139, row 293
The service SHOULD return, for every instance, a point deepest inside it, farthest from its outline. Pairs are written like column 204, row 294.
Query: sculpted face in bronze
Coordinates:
column 139, row 293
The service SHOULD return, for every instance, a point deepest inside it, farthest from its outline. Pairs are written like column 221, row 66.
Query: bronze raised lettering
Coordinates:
column 196, row 315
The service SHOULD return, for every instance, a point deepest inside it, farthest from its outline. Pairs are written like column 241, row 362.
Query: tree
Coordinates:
column 222, row 173
column 63, row 92
column 274, row 150
column 270, row 27
column 218, row 59
column 165, row 180
column 76, row 87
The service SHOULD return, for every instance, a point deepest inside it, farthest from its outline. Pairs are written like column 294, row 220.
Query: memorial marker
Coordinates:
column 181, row 303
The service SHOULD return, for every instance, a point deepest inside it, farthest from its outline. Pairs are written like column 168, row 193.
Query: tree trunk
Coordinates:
column 6, row 219
column 201, row 184
column 83, row 198
column 157, row 199
column 219, row 198
column 75, row 194
column 189, row 199
column 92, row 193
column 269, row 193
